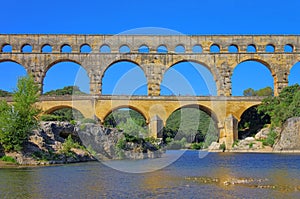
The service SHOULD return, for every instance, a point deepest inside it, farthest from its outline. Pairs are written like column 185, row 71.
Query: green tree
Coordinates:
column 249, row 92
column 67, row 90
column 19, row 119
column 189, row 122
column 267, row 91
column 285, row 106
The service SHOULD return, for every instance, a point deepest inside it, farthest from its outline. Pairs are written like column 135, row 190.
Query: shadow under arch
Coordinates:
column 10, row 71
column 193, row 72
column 251, row 121
column 74, row 73
column 252, row 73
column 118, row 75
column 134, row 108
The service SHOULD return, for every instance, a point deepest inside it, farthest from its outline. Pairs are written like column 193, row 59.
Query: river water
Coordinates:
column 213, row 175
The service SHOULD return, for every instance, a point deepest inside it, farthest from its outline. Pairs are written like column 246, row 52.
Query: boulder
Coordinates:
column 289, row 137
column 262, row 134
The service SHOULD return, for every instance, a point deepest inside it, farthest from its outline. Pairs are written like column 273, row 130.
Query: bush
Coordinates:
column 223, row 146
column 8, row 159
column 235, row 143
column 270, row 140
column 251, row 145
column 49, row 117
column 68, row 145
column 177, row 144
column 197, row 146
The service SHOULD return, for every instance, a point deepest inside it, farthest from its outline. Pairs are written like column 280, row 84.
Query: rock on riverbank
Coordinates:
column 288, row 140
column 113, row 144
column 46, row 145
column 289, row 137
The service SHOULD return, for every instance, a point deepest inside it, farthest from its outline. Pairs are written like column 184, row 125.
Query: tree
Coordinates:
column 267, row 91
column 249, row 92
column 67, row 90
column 285, row 106
column 19, row 119
column 189, row 122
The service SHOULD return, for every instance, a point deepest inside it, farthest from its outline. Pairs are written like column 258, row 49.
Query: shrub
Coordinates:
column 235, row 143
column 251, row 145
column 8, row 159
column 197, row 146
column 68, row 145
column 223, row 146
column 270, row 140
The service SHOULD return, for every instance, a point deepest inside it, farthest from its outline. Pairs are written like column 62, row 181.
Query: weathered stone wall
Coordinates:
column 154, row 64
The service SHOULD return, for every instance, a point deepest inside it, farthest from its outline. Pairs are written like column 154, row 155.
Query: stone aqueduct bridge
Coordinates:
column 225, row 109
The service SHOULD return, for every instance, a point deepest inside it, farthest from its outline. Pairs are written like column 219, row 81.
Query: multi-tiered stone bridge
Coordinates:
column 220, row 54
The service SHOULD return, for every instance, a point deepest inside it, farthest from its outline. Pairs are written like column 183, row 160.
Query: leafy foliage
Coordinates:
column 270, row 141
column 64, row 114
column 18, row 120
column 285, row 106
column 70, row 144
column 130, row 121
column 67, row 90
column 191, row 123
column 8, row 159
column 268, row 91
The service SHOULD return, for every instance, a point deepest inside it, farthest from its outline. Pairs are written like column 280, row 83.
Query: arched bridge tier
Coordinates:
column 226, row 111
column 221, row 62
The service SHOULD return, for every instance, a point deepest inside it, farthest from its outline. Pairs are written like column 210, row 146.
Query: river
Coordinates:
column 193, row 175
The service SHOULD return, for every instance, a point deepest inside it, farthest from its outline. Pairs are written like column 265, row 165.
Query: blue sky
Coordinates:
column 186, row 17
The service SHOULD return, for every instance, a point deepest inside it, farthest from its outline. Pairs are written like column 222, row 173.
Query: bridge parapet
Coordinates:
column 134, row 42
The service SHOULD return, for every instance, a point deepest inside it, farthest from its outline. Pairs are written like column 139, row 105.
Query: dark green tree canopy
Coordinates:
column 285, row 106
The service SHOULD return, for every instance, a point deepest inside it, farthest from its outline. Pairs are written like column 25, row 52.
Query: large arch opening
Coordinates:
column 10, row 72
column 188, row 78
column 251, row 122
column 124, row 78
column 129, row 120
column 252, row 78
column 294, row 76
column 191, row 126
column 66, row 78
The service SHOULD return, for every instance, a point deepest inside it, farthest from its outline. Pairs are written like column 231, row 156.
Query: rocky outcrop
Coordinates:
column 111, row 144
column 289, row 137
column 46, row 143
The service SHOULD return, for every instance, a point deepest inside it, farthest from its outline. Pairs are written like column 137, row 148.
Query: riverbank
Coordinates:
column 63, row 143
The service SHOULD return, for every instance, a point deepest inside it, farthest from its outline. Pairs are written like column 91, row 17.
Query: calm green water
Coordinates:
column 188, row 177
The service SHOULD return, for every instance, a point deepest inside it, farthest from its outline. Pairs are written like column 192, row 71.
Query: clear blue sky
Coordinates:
column 186, row 17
